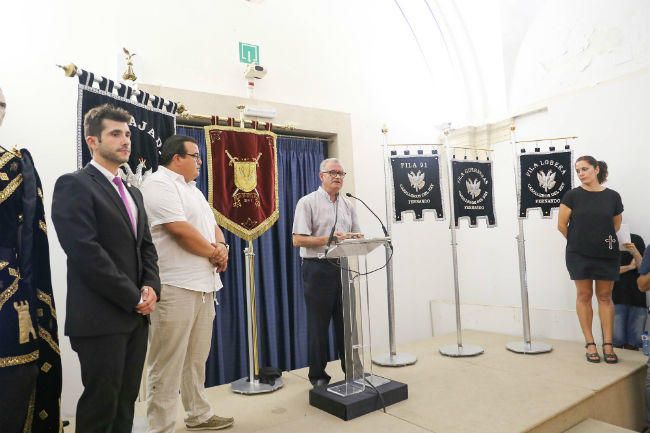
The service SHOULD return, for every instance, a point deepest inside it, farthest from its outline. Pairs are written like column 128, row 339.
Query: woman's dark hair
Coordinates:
column 601, row 165
column 174, row 145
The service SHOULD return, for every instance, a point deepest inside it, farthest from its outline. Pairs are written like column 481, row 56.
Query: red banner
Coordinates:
column 242, row 179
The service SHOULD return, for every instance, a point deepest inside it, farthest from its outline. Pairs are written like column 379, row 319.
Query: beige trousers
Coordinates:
column 179, row 344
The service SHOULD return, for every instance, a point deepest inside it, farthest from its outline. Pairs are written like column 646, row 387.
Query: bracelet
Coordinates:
column 225, row 245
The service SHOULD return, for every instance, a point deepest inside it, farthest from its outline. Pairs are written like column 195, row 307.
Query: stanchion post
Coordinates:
column 251, row 384
column 459, row 349
column 526, row 346
column 391, row 359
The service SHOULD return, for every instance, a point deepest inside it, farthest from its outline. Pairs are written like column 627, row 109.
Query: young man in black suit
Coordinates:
column 113, row 281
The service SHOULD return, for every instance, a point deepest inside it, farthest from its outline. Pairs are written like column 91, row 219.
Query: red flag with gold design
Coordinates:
column 242, row 179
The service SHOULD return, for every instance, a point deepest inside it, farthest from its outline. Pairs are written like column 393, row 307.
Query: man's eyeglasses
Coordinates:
column 196, row 156
column 334, row 173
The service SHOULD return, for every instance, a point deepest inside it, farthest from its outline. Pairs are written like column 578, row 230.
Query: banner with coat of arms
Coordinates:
column 544, row 178
column 242, row 179
column 473, row 191
column 416, row 184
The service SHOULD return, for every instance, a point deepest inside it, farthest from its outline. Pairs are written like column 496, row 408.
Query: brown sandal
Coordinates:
column 592, row 357
column 610, row 358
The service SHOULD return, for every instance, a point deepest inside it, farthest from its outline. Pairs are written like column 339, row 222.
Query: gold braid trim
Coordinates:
column 9, row 292
column 47, row 299
column 223, row 220
column 18, row 360
column 48, row 338
column 11, row 187
column 29, row 420
column 6, row 157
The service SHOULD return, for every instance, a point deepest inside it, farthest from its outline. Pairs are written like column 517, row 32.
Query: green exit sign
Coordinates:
column 249, row 53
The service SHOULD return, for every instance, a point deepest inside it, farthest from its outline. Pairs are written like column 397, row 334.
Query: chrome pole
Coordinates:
column 457, row 350
column 391, row 359
column 251, row 384
column 526, row 346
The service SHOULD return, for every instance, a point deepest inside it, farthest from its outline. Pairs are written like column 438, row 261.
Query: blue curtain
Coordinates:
column 281, row 314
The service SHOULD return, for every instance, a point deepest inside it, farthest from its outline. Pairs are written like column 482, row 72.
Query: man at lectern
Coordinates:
column 322, row 218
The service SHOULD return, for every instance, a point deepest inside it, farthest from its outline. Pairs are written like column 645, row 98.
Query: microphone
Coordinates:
column 383, row 227
column 336, row 218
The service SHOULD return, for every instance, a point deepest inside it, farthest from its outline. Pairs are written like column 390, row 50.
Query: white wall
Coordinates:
column 360, row 58
column 354, row 57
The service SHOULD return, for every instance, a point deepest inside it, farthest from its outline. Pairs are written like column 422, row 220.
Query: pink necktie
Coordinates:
column 120, row 187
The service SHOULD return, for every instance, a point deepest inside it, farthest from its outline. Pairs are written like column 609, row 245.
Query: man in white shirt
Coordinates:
column 191, row 253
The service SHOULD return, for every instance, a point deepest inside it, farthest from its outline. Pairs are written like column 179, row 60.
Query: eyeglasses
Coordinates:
column 334, row 173
column 196, row 156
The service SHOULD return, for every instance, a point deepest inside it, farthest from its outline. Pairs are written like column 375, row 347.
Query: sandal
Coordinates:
column 610, row 358
column 592, row 357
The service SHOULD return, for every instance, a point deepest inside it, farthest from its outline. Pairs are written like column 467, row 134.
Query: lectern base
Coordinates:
column 356, row 405
column 528, row 348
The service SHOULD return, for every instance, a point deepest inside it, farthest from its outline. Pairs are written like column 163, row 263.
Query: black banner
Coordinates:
column 416, row 185
column 473, row 192
column 150, row 126
column 544, row 178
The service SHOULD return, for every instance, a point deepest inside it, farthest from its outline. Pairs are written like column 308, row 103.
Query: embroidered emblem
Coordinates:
column 39, row 192
column 473, row 187
column 245, row 180
column 46, row 367
column 25, row 326
column 42, row 226
column 3, row 265
column 3, row 176
column 546, row 180
column 416, row 180
column 42, row 414
column 610, row 241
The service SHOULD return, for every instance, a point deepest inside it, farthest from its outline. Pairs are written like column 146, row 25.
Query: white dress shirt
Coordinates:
column 110, row 176
column 168, row 198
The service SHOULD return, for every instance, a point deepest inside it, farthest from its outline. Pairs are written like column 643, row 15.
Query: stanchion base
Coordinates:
column 458, row 351
column 528, row 348
column 397, row 360
column 244, row 386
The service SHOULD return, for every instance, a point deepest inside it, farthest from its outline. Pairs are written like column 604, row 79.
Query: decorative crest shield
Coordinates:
column 242, row 179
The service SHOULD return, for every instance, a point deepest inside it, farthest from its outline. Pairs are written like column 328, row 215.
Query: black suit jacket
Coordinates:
column 107, row 265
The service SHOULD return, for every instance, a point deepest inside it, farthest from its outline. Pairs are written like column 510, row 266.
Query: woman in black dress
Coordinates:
column 590, row 215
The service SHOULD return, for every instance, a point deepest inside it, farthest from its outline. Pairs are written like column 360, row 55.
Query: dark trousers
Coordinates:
column 322, row 282
column 16, row 387
column 111, row 369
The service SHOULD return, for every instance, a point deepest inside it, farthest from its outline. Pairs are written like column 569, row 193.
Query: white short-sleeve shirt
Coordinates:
column 168, row 198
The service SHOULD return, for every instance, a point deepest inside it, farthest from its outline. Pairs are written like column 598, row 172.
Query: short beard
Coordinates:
column 112, row 157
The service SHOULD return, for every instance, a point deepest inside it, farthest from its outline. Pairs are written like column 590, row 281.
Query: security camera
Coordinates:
column 254, row 71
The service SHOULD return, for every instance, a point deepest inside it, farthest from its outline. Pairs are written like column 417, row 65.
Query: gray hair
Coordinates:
column 324, row 163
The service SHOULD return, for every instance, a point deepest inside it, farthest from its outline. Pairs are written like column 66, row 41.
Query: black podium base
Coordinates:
column 355, row 405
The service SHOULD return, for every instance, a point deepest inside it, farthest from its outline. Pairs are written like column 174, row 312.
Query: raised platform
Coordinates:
column 498, row 391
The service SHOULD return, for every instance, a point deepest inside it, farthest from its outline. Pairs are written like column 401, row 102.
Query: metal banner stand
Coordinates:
column 251, row 384
column 459, row 349
column 526, row 346
column 391, row 359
